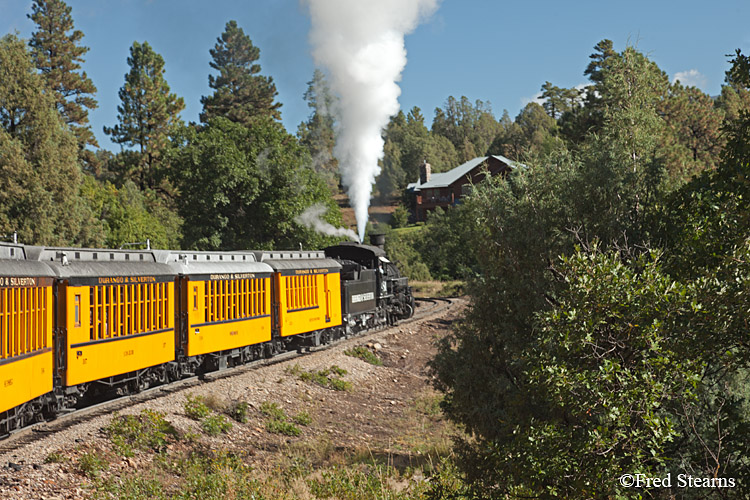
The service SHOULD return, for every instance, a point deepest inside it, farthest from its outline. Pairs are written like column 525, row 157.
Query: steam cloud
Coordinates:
column 361, row 44
column 312, row 218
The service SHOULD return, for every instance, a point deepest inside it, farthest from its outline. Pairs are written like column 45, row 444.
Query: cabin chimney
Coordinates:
column 424, row 172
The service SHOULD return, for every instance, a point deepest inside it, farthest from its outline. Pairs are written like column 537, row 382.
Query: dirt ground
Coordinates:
column 389, row 413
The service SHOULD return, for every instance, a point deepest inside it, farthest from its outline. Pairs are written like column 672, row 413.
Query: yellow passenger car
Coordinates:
column 226, row 298
column 26, row 326
column 307, row 291
column 116, row 313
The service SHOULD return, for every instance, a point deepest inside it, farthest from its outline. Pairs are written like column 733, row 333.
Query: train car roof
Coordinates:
column 288, row 259
column 212, row 263
column 13, row 262
column 93, row 262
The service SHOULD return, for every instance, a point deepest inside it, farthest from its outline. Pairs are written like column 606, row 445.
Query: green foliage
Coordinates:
column 364, row 354
column 328, row 377
column 147, row 115
column 213, row 425
column 216, row 475
column 408, row 143
column 278, row 422
column 130, row 215
column 92, row 463
column 39, row 171
column 367, row 483
column 446, row 244
column 244, row 187
column 130, row 487
column 401, row 247
column 572, row 367
column 276, row 426
column 196, row 408
column 55, row 458
column 399, row 217
column 302, row 418
column 241, row 94
column 147, row 431
column 471, row 128
column 238, row 410
column 317, row 134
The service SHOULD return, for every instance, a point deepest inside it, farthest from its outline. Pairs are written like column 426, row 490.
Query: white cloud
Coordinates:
column 537, row 98
column 691, row 78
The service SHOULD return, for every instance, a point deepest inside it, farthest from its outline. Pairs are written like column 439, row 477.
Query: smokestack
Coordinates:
column 377, row 240
column 424, row 172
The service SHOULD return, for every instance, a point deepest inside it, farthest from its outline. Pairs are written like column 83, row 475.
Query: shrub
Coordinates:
column 214, row 425
column 148, row 430
column 302, row 418
column 325, row 378
column 92, row 463
column 364, row 354
column 196, row 407
column 238, row 411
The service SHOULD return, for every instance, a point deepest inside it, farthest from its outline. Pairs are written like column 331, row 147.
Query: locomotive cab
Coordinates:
column 388, row 291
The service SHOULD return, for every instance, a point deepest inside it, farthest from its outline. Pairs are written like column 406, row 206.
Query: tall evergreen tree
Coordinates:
column 470, row 127
column 240, row 93
column 58, row 54
column 39, row 172
column 147, row 115
column 317, row 134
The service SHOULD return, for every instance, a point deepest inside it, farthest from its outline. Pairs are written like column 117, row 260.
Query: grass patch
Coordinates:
column 213, row 425
column 148, row 430
column 284, row 427
column 55, row 458
column 364, row 354
column 279, row 423
column 238, row 410
column 196, row 407
column 329, row 378
column 437, row 288
column 302, row 418
column 92, row 463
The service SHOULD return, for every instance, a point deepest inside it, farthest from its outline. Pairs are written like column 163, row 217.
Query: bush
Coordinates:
column 364, row 354
column 196, row 407
column 278, row 422
column 327, row 378
column 214, row 425
column 238, row 411
column 92, row 463
column 148, row 430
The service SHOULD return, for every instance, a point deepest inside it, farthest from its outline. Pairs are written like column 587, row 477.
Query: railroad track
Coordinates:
column 19, row 438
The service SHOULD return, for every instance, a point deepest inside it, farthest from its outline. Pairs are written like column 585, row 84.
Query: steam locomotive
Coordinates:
column 77, row 323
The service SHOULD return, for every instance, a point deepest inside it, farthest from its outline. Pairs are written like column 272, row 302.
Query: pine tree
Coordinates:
column 58, row 55
column 148, row 114
column 240, row 92
column 317, row 134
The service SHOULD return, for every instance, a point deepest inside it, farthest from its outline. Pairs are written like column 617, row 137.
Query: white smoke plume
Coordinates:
column 312, row 218
column 361, row 44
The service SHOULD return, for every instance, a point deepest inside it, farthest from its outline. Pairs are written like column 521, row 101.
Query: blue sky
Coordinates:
column 496, row 51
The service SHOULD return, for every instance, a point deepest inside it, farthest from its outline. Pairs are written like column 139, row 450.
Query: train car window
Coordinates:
column 77, row 313
column 195, row 298
column 2, row 325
